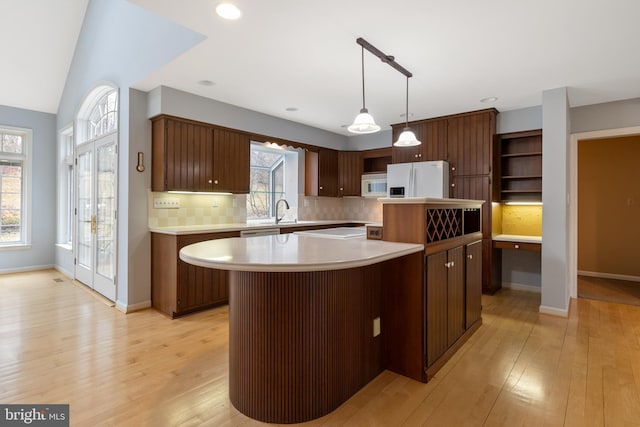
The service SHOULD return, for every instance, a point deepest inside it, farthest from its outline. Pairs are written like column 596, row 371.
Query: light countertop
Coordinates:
column 517, row 238
column 429, row 201
column 219, row 228
column 293, row 252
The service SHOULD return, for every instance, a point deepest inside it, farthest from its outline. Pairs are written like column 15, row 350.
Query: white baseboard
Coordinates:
column 64, row 271
column 609, row 276
column 24, row 269
column 521, row 287
column 555, row 311
column 129, row 308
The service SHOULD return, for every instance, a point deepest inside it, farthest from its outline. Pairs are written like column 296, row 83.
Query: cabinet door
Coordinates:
column 200, row 286
column 437, row 339
column 231, row 157
column 470, row 143
column 328, row 173
column 455, row 295
column 188, row 156
column 350, row 172
column 434, row 140
column 473, row 282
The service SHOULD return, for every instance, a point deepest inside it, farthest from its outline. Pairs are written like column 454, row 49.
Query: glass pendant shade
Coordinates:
column 364, row 123
column 407, row 139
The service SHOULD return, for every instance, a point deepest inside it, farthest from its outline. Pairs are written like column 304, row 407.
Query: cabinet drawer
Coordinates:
column 520, row 246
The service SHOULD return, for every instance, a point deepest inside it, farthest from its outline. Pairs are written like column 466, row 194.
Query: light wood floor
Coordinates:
column 60, row 344
column 612, row 290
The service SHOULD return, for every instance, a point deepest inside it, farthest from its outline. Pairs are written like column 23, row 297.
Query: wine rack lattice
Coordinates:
column 443, row 224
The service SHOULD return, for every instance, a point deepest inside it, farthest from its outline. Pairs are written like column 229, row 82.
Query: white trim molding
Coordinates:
column 573, row 195
column 25, row 269
column 130, row 308
column 554, row 311
column 609, row 276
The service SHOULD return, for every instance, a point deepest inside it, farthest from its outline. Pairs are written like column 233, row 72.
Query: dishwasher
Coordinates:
column 261, row 232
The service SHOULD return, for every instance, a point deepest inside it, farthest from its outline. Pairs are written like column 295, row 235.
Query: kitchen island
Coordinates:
column 304, row 317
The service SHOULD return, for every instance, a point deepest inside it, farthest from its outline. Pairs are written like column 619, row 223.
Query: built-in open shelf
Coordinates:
column 519, row 167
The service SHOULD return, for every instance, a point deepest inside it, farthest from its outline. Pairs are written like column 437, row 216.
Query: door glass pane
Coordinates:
column 106, row 162
column 84, row 209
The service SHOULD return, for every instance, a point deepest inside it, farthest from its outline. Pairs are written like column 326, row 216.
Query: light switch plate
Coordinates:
column 376, row 326
column 166, row 203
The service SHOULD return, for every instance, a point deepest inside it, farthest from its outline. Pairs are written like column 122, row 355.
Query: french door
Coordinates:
column 96, row 197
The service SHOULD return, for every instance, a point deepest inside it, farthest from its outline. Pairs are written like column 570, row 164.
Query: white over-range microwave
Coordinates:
column 374, row 185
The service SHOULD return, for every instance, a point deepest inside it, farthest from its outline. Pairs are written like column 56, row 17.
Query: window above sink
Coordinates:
column 273, row 176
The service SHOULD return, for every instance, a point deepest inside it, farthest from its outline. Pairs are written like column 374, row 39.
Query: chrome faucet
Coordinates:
column 277, row 205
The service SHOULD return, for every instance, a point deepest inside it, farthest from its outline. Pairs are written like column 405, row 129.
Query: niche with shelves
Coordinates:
column 519, row 167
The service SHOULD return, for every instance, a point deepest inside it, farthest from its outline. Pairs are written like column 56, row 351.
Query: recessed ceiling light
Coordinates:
column 291, row 108
column 228, row 11
column 489, row 99
column 205, row 83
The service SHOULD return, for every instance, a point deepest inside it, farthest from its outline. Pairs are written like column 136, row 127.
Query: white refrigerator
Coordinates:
column 418, row 179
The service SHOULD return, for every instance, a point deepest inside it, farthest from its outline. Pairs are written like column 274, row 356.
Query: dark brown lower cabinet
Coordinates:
column 179, row 288
column 427, row 319
column 473, row 279
column 445, row 301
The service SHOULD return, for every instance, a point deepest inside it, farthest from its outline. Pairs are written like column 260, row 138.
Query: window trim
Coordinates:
column 27, row 170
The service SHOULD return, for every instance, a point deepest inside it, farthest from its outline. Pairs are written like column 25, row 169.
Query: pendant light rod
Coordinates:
column 387, row 59
column 363, row 103
column 406, row 111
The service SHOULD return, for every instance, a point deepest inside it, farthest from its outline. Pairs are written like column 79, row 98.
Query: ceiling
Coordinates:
column 37, row 41
column 303, row 54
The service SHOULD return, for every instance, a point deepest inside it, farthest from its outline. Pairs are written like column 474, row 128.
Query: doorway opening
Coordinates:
column 605, row 202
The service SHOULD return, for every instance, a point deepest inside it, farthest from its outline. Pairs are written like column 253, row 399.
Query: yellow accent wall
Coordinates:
column 524, row 220
column 609, row 206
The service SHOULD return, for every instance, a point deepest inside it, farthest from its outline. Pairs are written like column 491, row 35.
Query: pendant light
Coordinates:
column 363, row 122
column 407, row 138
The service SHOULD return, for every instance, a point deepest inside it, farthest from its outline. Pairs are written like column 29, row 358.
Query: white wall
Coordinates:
column 555, row 213
column 167, row 100
column 43, row 190
column 609, row 115
column 121, row 43
column 382, row 139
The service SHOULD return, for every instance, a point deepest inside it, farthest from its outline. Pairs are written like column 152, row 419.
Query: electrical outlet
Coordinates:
column 376, row 326
column 166, row 203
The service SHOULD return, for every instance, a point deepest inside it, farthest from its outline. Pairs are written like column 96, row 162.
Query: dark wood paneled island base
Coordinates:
column 301, row 343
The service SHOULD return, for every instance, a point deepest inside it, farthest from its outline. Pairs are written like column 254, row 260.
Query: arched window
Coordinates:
column 103, row 118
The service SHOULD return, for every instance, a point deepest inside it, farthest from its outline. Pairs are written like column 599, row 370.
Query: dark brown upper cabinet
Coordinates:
column 350, row 173
column 470, row 143
column 321, row 173
column 193, row 156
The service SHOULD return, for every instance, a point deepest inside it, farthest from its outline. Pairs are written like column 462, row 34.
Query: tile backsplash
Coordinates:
column 198, row 209
column 202, row 209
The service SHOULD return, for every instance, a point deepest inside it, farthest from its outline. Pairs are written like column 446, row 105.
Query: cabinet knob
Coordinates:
column 215, row 182
column 517, row 246
column 453, row 185
column 210, row 181
column 453, row 168
column 470, row 256
column 341, row 189
column 453, row 263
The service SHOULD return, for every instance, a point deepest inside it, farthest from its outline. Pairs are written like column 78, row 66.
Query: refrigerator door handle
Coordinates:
column 412, row 176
